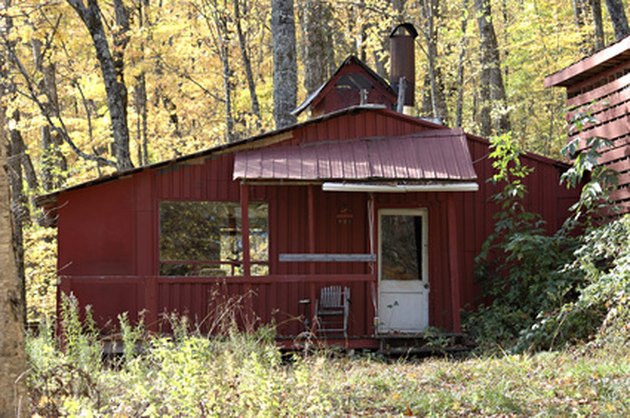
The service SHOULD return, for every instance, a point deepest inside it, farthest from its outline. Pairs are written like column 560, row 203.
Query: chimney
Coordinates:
column 402, row 73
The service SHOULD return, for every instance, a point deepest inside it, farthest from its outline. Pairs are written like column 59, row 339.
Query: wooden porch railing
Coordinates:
column 259, row 300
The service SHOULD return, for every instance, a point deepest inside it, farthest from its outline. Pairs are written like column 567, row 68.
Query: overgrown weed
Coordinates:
column 552, row 291
column 243, row 374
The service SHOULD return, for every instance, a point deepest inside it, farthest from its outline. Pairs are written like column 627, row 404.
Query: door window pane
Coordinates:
column 401, row 251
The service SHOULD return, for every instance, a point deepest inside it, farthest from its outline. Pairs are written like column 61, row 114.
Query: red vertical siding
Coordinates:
column 113, row 229
column 146, row 217
column 97, row 230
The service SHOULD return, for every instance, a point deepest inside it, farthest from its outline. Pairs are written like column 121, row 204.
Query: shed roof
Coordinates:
column 429, row 155
column 591, row 65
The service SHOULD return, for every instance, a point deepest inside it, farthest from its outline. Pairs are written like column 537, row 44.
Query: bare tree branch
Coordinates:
column 34, row 96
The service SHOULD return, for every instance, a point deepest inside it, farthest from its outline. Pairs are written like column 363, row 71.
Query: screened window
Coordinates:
column 204, row 238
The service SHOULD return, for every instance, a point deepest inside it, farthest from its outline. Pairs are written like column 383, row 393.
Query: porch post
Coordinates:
column 245, row 229
column 454, row 259
column 311, row 225
column 372, row 286
column 312, row 292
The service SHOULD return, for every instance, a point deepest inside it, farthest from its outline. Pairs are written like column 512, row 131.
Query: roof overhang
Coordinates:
column 606, row 58
column 464, row 186
column 50, row 200
column 423, row 157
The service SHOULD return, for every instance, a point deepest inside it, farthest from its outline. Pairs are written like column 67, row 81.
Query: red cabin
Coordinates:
column 365, row 214
column 388, row 205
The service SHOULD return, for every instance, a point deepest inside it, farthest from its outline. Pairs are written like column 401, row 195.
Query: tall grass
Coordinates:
column 185, row 374
column 244, row 374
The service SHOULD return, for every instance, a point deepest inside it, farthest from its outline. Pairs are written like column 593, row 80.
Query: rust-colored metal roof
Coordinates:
column 50, row 199
column 430, row 155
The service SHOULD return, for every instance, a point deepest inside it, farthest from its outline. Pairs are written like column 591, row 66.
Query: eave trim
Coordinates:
column 400, row 188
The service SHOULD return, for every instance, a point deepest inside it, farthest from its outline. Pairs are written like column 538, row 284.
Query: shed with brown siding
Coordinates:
column 599, row 86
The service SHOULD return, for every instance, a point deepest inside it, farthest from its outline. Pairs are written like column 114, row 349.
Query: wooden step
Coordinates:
column 424, row 343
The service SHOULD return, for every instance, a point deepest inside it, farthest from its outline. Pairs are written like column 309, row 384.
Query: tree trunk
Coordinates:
column 20, row 213
column 140, row 97
column 618, row 18
column 12, row 356
column 112, row 65
column 20, row 167
column 249, row 75
column 140, row 101
column 429, row 10
column 284, row 62
column 120, row 41
column 361, row 49
column 493, row 112
column 53, row 161
column 460, row 66
column 426, row 107
column 399, row 7
column 430, row 39
column 171, row 108
column 216, row 19
column 25, row 161
column 579, row 12
column 227, row 92
column 317, row 43
column 598, row 25
column 221, row 21
column 14, row 205
column 580, row 17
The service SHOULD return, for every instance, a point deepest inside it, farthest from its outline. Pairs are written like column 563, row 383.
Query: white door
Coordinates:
column 403, row 303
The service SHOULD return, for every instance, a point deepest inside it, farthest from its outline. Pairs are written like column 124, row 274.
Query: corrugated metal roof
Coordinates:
column 430, row 155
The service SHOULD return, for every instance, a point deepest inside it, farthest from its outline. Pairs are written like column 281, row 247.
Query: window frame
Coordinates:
column 196, row 267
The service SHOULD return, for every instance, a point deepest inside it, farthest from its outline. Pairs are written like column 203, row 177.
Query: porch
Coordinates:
column 290, row 221
column 284, row 301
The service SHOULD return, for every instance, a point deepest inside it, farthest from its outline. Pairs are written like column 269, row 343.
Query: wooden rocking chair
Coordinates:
column 332, row 310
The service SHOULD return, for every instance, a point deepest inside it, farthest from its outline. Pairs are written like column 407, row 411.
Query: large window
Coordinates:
column 204, row 239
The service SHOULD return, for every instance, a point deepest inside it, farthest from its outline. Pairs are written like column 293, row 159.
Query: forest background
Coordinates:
column 91, row 88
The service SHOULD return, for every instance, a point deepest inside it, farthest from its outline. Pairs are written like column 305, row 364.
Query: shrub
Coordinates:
column 601, row 305
column 60, row 381
column 547, row 291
